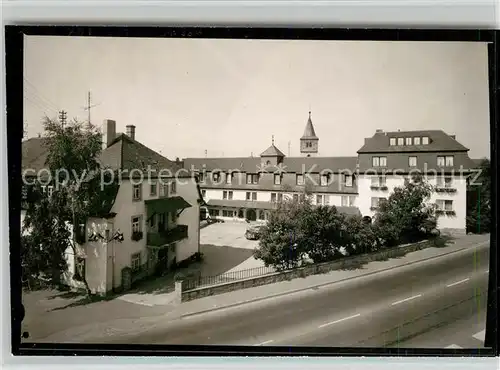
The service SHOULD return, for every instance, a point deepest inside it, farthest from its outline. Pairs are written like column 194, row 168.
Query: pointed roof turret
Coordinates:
column 272, row 151
column 309, row 131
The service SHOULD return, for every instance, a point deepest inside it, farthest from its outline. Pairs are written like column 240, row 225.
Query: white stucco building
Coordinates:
column 249, row 187
column 150, row 218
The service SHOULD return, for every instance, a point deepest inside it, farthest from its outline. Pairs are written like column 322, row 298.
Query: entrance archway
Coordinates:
column 251, row 215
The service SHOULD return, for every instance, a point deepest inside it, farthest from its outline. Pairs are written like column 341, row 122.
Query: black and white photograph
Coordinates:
column 255, row 192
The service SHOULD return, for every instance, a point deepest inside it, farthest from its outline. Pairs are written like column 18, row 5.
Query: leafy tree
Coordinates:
column 406, row 216
column 479, row 200
column 362, row 236
column 43, row 242
column 281, row 243
column 324, row 231
column 73, row 152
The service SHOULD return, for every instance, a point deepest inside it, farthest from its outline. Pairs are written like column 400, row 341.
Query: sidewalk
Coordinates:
column 92, row 332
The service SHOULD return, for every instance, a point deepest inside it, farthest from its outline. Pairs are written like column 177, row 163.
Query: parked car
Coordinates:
column 253, row 232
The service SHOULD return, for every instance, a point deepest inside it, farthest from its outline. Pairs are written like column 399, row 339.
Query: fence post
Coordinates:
column 178, row 291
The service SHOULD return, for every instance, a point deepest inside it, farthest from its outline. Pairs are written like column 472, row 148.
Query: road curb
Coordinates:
column 258, row 299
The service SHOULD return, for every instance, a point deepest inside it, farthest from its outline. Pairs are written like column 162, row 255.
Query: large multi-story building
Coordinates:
column 250, row 187
column 150, row 220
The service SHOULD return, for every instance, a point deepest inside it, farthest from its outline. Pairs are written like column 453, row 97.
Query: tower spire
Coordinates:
column 272, row 139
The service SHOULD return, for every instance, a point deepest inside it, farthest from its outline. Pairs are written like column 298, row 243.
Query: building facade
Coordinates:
column 248, row 188
column 150, row 222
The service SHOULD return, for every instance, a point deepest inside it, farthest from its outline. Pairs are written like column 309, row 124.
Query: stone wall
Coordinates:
column 313, row 269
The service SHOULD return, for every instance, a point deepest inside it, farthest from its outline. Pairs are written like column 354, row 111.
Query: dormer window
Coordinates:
column 408, row 141
column 216, row 176
column 425, row 140
column 401, row 141
column 416, row 141
column 325, row 179
column 229, row 177
column 392, row 141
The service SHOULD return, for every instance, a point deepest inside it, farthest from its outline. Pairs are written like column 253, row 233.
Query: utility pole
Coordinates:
column 62, row 117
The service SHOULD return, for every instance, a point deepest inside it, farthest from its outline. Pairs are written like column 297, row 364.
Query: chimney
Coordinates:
column 109, row 132
column 131, row 131
column 379, row 131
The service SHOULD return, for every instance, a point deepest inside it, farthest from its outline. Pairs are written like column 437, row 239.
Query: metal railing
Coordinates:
column 197, row 282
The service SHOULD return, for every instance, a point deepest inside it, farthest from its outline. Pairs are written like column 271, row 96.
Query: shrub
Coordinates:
column 406, row 217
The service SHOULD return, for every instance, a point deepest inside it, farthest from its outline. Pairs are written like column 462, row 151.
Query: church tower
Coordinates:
column 309, row 141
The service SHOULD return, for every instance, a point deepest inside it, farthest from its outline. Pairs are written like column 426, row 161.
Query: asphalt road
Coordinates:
column 467, row 332
column 374, row 311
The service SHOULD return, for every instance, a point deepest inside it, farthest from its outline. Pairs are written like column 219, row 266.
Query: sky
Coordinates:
column 229, row 97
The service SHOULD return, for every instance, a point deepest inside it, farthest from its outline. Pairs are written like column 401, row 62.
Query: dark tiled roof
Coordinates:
column 350, row 211
column 439, row 142
column 309, row 132
column 127, row 154
column 123, row 153
column 272, row 151
column 34, row 154
column 478, row 161
column 426, row 162
column 290, row 164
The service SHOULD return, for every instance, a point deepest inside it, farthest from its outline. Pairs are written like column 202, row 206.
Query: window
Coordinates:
column 408, row 141
column 251, row 195
column 216, row 176
column 153, row 188
column 136, row 224
column 135, row 263
column 262, row 215
column 352, row 200
column 203, row 193
column 300, row 179
column 449, row 161
column 322, row 199
column 277, row 179
column 325, row 179
column 229, row 177
column 226, row 213
column 152, row 221
column 401, row 141
column 412, row 161
column 136, row 192
column 296, row 197
column 378, row 181
column 445, row 182
column 392, row 141
column 79, row 268
column 280, row 197
column 345, row 200
column 164, row 190
column 50, row 190
column 201, row 176
column 416, row 141
column 425, row 140
column 348, row 200
column 227, row 195
column 440, row 161
column 213, row 212
column 445, row 205
column 376, row 202
column 273, row 197
column 348, row 180
column 252, row 178
column 379, row 161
